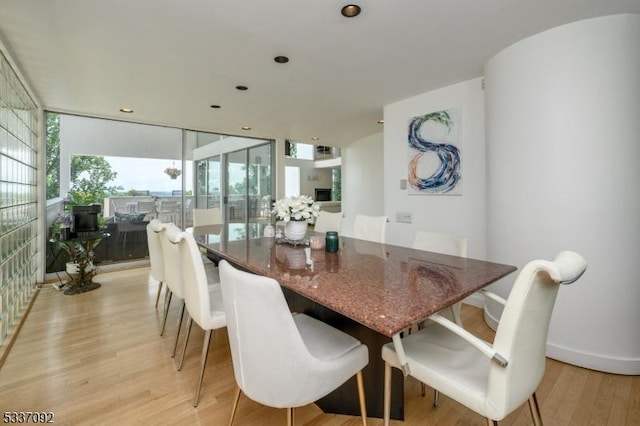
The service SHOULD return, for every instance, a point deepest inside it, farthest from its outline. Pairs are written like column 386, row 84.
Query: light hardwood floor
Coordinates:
column 97, row 358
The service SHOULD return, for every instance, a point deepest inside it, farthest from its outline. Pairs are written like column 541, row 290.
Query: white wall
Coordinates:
column 362, row 180
column 456, row 214
column 310, row 177
column 563, row 126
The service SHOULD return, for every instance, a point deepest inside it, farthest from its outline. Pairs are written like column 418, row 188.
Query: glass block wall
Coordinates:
column 18, row 198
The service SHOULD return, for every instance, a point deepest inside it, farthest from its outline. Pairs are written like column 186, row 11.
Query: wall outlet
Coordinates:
column 403, row 217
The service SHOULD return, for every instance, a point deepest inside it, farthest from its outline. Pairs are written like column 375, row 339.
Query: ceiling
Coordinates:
column 169, row 60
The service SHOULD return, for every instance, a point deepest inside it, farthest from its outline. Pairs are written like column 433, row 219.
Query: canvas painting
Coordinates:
column 434, row 154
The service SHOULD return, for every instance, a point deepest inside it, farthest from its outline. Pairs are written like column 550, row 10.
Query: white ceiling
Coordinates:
column 170, row 59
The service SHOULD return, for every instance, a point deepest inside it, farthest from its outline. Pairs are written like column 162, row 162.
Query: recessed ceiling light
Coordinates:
column 246, row 128
column 281, row 59
column 214, row 106
column 380, row 121
column 243, row 88
column 350, row 11
column 315, row 138
column 126, row 110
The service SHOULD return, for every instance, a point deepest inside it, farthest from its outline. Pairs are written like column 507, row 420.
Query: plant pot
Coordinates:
column 295, row 230
column 174, row 177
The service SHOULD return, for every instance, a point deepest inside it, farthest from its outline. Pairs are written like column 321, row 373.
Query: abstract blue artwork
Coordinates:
column 434, row 157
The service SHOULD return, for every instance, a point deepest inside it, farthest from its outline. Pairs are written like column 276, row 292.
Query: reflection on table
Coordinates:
column 370, row 290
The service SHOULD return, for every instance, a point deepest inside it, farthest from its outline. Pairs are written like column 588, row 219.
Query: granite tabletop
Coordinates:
column 384, row 287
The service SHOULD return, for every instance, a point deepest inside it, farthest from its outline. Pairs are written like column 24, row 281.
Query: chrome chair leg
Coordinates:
column 175, row 344
column 290, row 416
column 387, row 393
column 166, row 313
column 535, row 410
column 491, row 422
column 186, row 340
column 159, row 291
column 436, row 398
column 203, row 364
column 234, row 407
column 361, row 398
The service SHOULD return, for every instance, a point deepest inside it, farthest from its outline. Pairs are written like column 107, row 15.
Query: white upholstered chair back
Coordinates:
column 195, row 285
column 454, row 245
column 328, row 221
column 155, row 249
column 274, row 362
column 172, row 264
column 371, row 228
column 266, row 347
column 202, row 217
column 521, row 336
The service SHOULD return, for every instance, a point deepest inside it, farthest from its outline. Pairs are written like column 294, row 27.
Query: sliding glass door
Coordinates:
column 208, row 194
column 249, row 190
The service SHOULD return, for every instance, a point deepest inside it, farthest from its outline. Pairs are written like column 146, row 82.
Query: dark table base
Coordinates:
column 344, row 400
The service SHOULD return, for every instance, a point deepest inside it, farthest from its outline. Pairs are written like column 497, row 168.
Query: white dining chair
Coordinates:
column 327, row 221
column 155, row 254
column 203, row 301
column 490, row 379
column 202, row 217
column 280, row 359
column 173, row 270
column 454, row 245
column 371, row 228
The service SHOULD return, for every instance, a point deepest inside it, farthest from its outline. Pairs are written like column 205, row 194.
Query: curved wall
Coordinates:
column 563, row 169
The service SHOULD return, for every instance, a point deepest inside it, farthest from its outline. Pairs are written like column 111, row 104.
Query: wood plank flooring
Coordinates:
column 98, row 358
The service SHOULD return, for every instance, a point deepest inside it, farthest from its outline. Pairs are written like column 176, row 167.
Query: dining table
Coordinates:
column 369, row 290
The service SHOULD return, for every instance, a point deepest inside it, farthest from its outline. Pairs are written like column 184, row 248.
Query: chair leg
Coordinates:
column 203, row 364
column 166, row 313
column 186, row 340
column 175, row 344
column 290, row 416
column 387, row 393
column 159, row 291
column 436, row 398
column 363, row 402
column 423, row 389
column 491, row 422
column 535, row 410
column 234, row 407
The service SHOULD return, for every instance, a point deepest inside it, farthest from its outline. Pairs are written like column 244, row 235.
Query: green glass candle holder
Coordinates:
column 332, row 244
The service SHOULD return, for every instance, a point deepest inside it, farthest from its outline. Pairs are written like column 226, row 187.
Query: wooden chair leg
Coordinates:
column 234, row 407
column 167, row 302
column 175, row 344
column 159, row 291
column 387, row 393
column 203, row 364
column 535, row 410
column 363, row 402
column 186, row 340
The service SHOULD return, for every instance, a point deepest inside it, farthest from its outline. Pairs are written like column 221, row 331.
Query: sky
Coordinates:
column 148, row 174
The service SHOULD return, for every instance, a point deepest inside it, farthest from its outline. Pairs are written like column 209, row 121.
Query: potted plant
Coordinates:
column 173, row 172
column 295, row 212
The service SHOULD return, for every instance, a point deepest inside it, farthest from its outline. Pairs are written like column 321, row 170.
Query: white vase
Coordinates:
column 295, row 230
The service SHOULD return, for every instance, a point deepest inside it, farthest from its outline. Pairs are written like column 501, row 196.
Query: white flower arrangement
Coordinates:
column 296, row 209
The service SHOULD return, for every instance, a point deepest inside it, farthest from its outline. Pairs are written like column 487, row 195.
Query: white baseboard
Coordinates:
column 598, row 362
